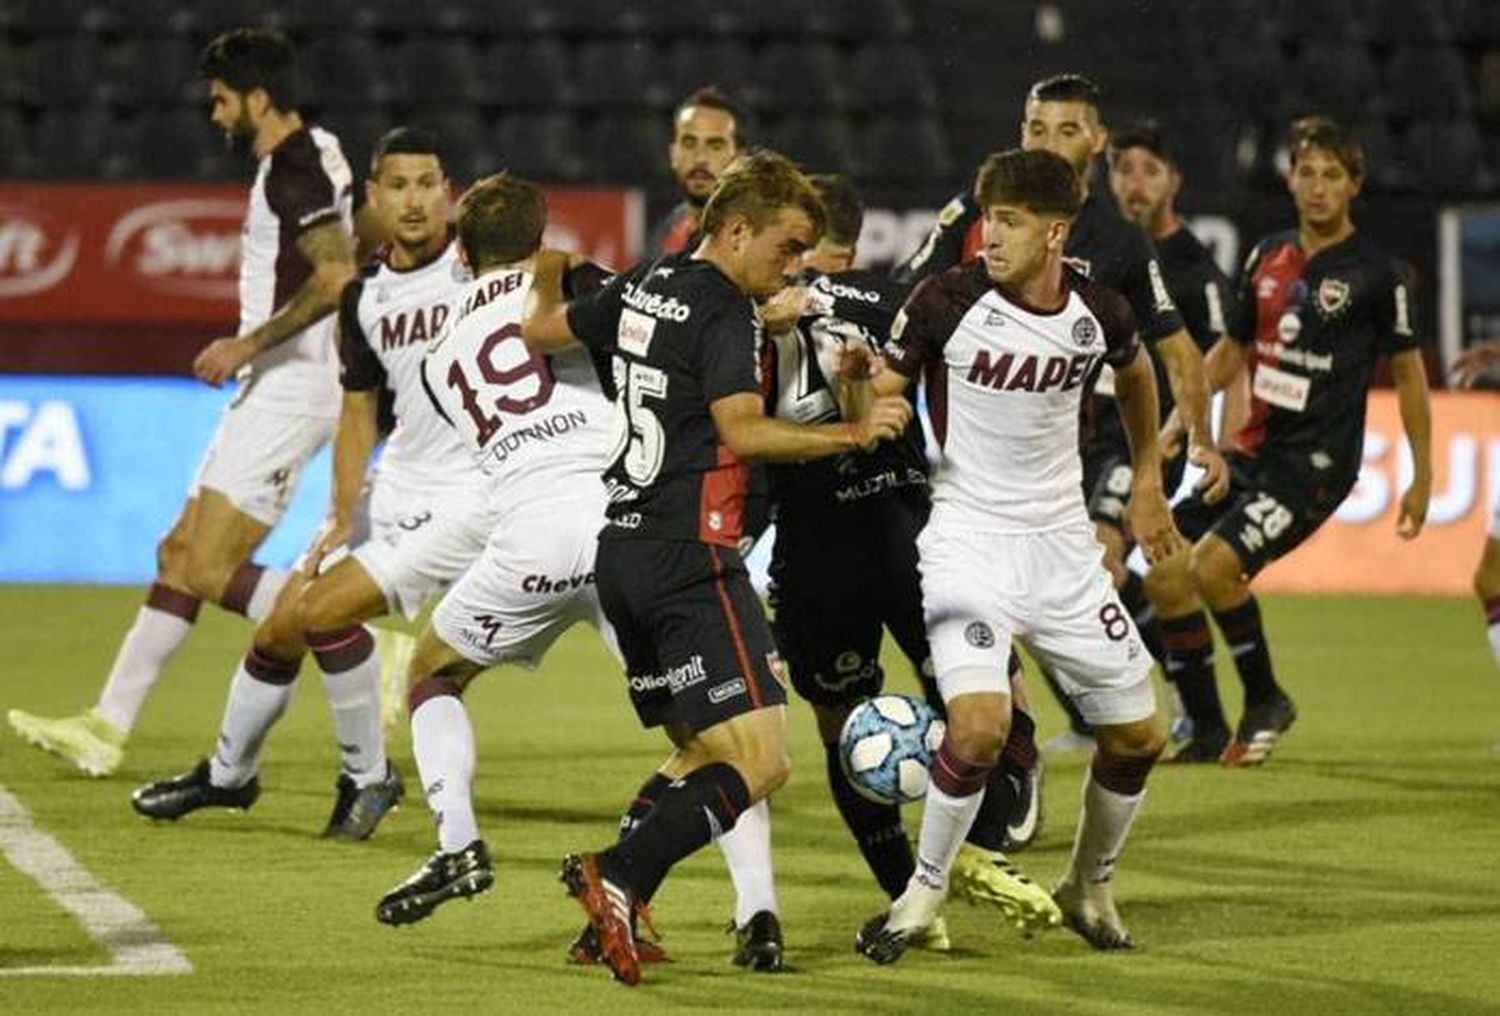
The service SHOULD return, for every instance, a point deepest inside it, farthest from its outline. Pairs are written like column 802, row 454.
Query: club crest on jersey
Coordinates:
column 1085, row 331
column 979, row 635
column 1333, row 296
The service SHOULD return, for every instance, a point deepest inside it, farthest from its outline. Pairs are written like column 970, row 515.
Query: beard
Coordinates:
column 237, row 139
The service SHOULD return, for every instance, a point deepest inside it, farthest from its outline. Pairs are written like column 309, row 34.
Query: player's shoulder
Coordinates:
column 1103, row 302
column 1269, row 245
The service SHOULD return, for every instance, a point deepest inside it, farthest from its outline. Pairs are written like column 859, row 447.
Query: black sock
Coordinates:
column 645, row 799
column 688, row 814
column 1190, row 665
column 876, row 829
column 1075, row 718
column 1143, row 612
column 1252, row 657
column 1002, row 797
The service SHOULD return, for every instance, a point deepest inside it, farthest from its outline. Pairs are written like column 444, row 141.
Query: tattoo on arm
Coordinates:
column 327, row 248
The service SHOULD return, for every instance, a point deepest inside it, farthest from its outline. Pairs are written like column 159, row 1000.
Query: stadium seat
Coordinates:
column 442, row 71
column 348, row 70
column 819, row 144
column 531, row 75
column 626, row 149
column 86, row 142
column 891, row 77
column 178, row 141
column 358, row 129
column 167, row 71
column 1474, row 22
column 1337, row 78
column 854, row 21
column 17, row 150
column 694, row 63
column 468, row 149
column 1384, row 169
column 1444, row 157
column 1487, row 87
column 1426, row 81
column 61, row 70
column 900, row 151
column 621, row 74
column 543, row 147
column 799, row 76
column 1405, row 22
column 1326, row 21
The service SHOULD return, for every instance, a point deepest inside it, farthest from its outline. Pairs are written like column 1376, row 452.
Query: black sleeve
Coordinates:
column 1393, row 311
column 1116, row 315
column 1145, row 287
column 1202, row 298
column 360, row 369
column 944, row 246
column 916, row 335
column 595, row 318
column 298, row 188
column 584, row 280
column 728, row 350
column 864, row 298
column 1242, row 312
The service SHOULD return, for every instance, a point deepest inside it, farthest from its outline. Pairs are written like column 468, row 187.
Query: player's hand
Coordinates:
column 1475, row 362
column 1148, row 519
column 221, row 359
column 1172, row 436
column 335, row 533
column 1214, row 483
column 886, row 421
column 856, row 361
column 1413, row 510
column 781, row 312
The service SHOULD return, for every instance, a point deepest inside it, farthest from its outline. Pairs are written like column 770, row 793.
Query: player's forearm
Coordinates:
column 767, row 439
column 353, row 443
column 1135, row 397
column 1185, row 373
column 314, row 300
column 1410, row 375
column 547, row 330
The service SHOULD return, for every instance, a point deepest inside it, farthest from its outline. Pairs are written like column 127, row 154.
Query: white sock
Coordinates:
column 1102, row 829
column 263, row 597
column 747, row 851
column 253, row 708
column 1495, row 640
column 945, row 823
column 147, row 649
column 443, row 742
column 354, row 698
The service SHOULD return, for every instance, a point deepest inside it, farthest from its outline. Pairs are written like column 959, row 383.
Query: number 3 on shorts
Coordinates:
column 642, row 435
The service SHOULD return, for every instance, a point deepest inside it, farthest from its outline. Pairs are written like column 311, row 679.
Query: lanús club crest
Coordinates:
column 1333, row 296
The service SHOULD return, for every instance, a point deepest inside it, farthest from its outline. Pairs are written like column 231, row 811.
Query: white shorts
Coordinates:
column 421, row 539
column 533, row 582
column 256, row 457
column 1050, row 591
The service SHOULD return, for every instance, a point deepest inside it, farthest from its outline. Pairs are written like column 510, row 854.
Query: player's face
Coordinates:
column 230, row 112
column 1016, row 242
column 410, row 196
column 703, row 143
column 829, row 257
column 769, row 259
column 1070, row 129
column 1321, row 188
column 1144, row 185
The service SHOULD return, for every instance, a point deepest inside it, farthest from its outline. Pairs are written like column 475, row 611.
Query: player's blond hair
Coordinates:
column 757, row 185
column 500, row 220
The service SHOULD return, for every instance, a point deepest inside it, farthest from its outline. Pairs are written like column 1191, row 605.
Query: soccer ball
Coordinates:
column 887, row 746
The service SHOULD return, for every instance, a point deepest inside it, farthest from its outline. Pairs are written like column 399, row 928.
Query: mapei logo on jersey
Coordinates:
column 188, row 248
column 406, row 329
column 1333, row 297
column 35, row 253
column 1028, row 372
column 666, row 308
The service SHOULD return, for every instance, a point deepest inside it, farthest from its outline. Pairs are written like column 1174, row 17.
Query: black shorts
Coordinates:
column 696, row 644
column 1106, row 481
column 837, row 580
column 1267, row 512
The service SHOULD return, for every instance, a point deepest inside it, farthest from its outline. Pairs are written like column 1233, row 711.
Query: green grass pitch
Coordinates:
column 1354, row 873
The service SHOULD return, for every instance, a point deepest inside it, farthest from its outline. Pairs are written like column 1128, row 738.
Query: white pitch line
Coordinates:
column 136, row 947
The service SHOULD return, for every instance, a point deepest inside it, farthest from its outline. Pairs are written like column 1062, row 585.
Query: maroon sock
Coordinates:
column 241, row 587
column 173, row 601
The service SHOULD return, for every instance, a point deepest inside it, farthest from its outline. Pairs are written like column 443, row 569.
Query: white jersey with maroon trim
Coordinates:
column 1004, row 383
column 540, row 425
column 386, row 319
column 303, row 183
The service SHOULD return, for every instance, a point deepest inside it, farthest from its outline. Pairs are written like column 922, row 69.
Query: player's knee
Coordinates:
column 977, row 727
column 1170, row 581
column 280, row 633
column 172, row 560
column 1216, row 572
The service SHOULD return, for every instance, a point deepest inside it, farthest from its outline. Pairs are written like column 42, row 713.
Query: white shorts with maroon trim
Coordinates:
column 256, row 457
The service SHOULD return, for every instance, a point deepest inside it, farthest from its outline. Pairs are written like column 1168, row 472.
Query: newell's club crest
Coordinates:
column 1333, row 296
column 1085, row 331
